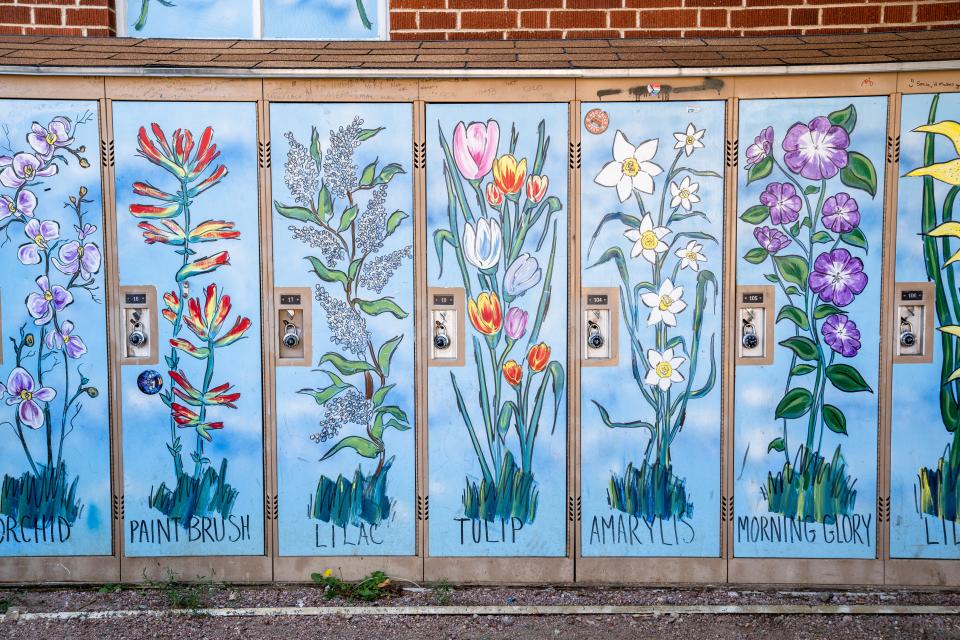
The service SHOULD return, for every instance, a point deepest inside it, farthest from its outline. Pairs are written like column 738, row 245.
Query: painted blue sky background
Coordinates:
column 451, row 455
column 146, row 419
column 87, row 448
column 918, row 435
column 323, row 19
column 193, row 19
column 756, row 397
column 696, row 451
column 298, row 415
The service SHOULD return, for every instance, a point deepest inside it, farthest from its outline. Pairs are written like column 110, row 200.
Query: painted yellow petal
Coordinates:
column 954, row 376
column 952, row 259
column 947, row 128
column 952, row 329
column 948, row 172
column 946, row 229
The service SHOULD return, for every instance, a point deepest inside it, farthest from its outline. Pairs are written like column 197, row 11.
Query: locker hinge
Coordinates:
column 575, row 155
column 117, row 507
column 423, row 508
column 264, row 154
column 732, row 152
column 106, row 153
column 419, row 155
column 883, row 509
column 573, row 509
column 270, row 506
column 726, row 509
column 893, row 149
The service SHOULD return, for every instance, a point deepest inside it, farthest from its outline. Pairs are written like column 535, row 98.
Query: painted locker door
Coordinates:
column 496, row 190
column 55, row 499
column 925, row 453
column 343, row 260
column 188, row 245
column 652, row 228
column 807, row 308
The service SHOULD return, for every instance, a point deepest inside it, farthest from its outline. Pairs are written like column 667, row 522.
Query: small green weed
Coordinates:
column 442, row 592
column 110, row 587
column 183, row 595
column 371, row 588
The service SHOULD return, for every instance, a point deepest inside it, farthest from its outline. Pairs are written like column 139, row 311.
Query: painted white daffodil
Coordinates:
column 690, row 140
column 631, row 167
column 691, row 256
column 481, row 244
column 684, row 194
column 647, row 240
column 663, row 369
column 665, row 304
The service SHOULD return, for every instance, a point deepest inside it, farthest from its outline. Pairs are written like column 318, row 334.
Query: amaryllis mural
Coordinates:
column 501, row 237
column 808, row 240
column 203, row 321
column 51, row 381
column 335, row 210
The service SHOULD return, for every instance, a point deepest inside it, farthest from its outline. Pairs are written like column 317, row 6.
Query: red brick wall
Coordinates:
column 57, row 17
column 514, row 19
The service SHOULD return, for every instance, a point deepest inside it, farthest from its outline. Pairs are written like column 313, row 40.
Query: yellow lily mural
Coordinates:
column 948, row 172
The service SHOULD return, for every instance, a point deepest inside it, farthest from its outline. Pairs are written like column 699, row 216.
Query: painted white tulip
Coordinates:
column 481, row 244
column 647, row 240
column 665, row 304
column 663, row 369
column 523, row 274
column 631, row 167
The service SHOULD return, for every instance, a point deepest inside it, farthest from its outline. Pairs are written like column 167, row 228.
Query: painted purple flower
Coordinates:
column 23, row 391
column 22, row 168
column 838, row 277
column 515, row 323
column 41, row 234
column 761, row 147
column 42, row 305
column 782, row 200
column 816, row 151
column 771, row 239
column 46, row 141
column 841, row 213
column 76, row 257
column 64, row 339
column 86, row 231
column 842, row 335
column 24, row 205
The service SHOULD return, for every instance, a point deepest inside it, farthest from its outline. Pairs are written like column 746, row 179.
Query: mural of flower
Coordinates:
column 75, row 258
column 494, row 195
column 771, row 239
column 841, row 213
column 23, row 168
column 475, row 147
column 65, row 339
column 537, row 188
column 691, row 256
column 761, row 147
column 41, row 235
column 515, row 323
column 24, row 205
column 485, row 313
column 684, row 194
column 665, row 304
column 512, row 372
column 47, row 140
column 509, row 174
column 663, row 370
column 538, row 357
column 23, row 391
column 647, row 240
column 838, row 277
column 522, row 275
column 631, row 168
column 689, row 139
column 50, row 299
column 482, row 243
column 782, row 200
column 817, row 150
column 841, row 334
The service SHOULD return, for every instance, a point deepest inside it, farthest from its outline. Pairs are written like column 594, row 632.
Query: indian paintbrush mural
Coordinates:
column 652, row 225
column 343, row 195
column 810, row 222
column 55, row 497
column 187, row 223
column 496, row 183
column 925, row 445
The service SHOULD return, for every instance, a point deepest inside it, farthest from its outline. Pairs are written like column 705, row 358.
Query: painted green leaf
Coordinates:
column 349, row 215
column 776, row 445
column 834, row 419
column 859, row 173
column 354, row 268
column 760, row 170
column 325, row 273
column 822, row 237
column 394, row 220
column 811, row 189
column 398, row 425
column 633, row 424
column 802, row 369
column 615, row 254
column 795, row 315
column 506, row 417
column 388, row 172
column 756, row 214
column 792, row 291
column 846, row 118
column 385, row 354
column 381, row 394
column 344, row 366
column 805, row 222
column 369, row 173
column 362, row 446
column 325, row 394
column 772, row 277
column 824, row 310
column 794, row 229
column 795, row 403
column 315, row 152
column 392, row 410
column 366, row 134
column 439, row 237
column 802, row 346
column 793, row 269
column 846, row 378
column 855, row 238
column 756, row 255
column 383, row 305
column 324, row 203
column 294, row 213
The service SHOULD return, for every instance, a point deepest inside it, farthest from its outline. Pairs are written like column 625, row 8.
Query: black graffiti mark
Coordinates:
column 664, row 91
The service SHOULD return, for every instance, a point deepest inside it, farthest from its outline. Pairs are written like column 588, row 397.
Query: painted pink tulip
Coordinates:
column 475, row 147
column 515, row 323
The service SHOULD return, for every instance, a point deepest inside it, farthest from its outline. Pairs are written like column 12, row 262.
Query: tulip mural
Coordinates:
column 51, row 379
column 652, row 225
column 501, row 238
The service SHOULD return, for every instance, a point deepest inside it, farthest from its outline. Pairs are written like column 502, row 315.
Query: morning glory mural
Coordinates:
column 55, row 456
column 188, row 225
column 652, row 226
column 809, row 203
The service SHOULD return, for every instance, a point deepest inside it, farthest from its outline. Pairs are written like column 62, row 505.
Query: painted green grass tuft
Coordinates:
column 49, row 496
column 811, row 489
column 940, row 487
column 514, row 495
column 361, row 501
column 208, row 495
column 650, row 492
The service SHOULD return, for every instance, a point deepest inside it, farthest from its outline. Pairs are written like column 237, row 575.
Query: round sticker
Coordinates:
column 596, row 121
